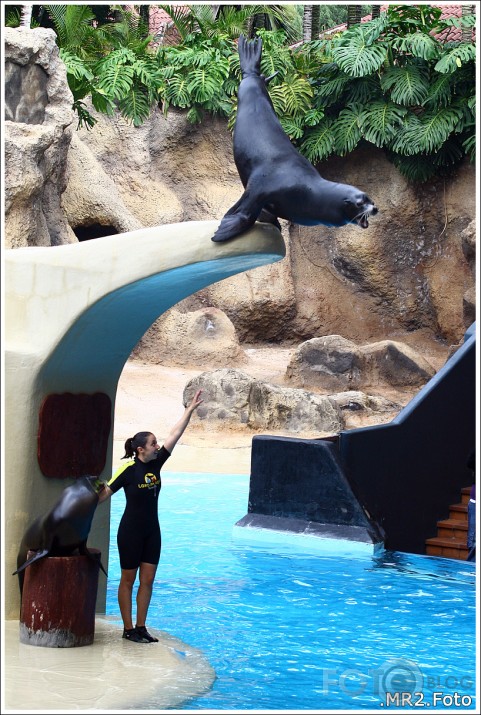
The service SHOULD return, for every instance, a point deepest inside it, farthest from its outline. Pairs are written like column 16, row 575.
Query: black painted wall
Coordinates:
column 302, row 479
column 408, row 472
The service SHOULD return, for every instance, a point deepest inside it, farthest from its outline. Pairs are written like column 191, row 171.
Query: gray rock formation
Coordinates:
column 235, row 399
column 333, row 363
column 38, row 131
column 91, row 197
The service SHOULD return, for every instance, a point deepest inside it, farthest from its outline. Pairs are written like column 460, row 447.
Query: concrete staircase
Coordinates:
column 452, row 532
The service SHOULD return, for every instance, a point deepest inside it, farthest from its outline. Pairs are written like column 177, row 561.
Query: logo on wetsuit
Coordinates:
column 151, row 481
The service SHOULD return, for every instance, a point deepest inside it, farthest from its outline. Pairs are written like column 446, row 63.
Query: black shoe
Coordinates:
column 144, row 633
column 131, row 634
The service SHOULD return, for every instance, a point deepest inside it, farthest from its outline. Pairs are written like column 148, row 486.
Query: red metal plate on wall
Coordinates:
column 73, row 434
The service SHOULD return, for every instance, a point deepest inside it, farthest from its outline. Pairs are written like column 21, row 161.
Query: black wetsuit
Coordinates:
column 138, row 537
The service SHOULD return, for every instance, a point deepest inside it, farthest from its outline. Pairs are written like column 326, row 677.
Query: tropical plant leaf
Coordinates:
column 116, row 79
column 292, row 97
column 85, row 119
column 135, row 106
column 319, row 142
column 355, row 56
column 418, row 44
column 418, row 169
column 408, row 85
column 202, row 84
column 177, row 91
column 333, row 88
column 364, row 90
column 292, row 127
column 347, row 130
column 469, row 146
column 427, row 133
column 194, row 115
column 102, row 101
column 75, row 65
column 313, row 117
column 456, row 57
column 439, row 92
column 381, row 121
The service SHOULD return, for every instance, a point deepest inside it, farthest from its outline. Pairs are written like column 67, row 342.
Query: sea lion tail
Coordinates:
column 250, row 52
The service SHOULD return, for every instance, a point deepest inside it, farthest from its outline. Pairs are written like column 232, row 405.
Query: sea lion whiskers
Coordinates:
column 362, row 218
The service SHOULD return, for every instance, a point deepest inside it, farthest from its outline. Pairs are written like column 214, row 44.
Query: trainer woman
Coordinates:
column 138, row 537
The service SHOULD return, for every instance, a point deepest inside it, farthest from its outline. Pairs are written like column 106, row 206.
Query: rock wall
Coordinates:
column 38, row 130
column 410, row 274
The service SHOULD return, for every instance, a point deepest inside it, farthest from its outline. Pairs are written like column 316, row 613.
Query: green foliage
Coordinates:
column 390, row 82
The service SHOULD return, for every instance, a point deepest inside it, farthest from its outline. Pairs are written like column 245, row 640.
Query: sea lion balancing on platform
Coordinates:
column 278, row 180
column 63, row 529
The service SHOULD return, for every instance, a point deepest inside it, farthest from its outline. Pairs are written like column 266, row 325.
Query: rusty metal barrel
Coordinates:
column 58, row 601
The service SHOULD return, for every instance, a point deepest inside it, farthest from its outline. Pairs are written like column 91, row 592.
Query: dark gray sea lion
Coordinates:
column 278, row 180
column 64, row 529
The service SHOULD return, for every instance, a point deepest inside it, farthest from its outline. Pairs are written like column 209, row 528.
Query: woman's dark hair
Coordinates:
column 133, row 443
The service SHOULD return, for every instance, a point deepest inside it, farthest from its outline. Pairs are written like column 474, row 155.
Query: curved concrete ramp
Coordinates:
column 73, row 314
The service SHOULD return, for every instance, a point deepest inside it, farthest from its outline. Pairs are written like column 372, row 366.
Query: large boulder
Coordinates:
column 38, row 131
column 91, row 196
column 333, row 363
column 233, row 399
column 199, row 338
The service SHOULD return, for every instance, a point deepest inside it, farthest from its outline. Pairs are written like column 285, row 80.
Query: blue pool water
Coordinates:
column 294, row 631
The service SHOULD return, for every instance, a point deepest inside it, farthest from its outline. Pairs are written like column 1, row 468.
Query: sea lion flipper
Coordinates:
column 239, row 217
column 250, row 53
column 95, row 557
column 267, row 217
column 38, row 555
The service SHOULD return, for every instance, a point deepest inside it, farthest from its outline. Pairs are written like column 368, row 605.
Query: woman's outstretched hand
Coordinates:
column 195, row 401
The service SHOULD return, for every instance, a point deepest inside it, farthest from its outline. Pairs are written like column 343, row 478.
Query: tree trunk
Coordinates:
column 467, row 32
column 316, row 22
column 307, row 23
column 353, row 15
column 26, row 15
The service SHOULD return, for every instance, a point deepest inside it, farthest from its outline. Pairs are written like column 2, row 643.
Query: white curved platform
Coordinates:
column 73, row 314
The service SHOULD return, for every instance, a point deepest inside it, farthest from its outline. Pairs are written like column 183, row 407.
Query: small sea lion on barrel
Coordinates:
column 64, row 528
column 279, row 182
